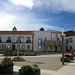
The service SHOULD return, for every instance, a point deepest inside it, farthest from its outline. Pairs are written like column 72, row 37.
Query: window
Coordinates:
column 40, row 41
column 3, row 46
column 9, row 39
column 70, row 47
column 0, row 46
column 0, row 39
column 59, row 45
column 71, row 40
column 28, row 40
column 66, row 41
column 57, row 38
column 40, row 47
column 23, row 46
column 28, row 46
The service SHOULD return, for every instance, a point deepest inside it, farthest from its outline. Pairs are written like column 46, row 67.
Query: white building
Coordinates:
column 70, row 40
column 8, row 40
column 33, row 41
column 39, row 38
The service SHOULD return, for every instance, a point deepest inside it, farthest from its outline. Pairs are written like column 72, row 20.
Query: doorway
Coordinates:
column 13, row 47
column 55, row 47
column 49, row 48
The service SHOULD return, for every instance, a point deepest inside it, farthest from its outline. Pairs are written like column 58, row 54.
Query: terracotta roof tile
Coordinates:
column 16, row 32
column 70, row 33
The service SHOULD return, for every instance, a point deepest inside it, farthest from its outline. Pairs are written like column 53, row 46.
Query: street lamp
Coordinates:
column 62, row 45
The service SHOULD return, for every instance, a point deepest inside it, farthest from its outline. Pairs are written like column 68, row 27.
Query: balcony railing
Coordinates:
column 8, row 40
column 28, row 41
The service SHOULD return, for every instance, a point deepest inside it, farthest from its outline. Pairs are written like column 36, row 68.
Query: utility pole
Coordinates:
column 18, row 47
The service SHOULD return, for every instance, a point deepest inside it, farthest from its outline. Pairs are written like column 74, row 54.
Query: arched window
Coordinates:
column 55, row 48
column 49, row 48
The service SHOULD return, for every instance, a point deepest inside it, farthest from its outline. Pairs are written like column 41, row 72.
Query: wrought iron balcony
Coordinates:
column 8, row 40
column 28, row 41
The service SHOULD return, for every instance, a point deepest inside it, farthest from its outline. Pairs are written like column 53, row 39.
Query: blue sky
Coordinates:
column 31, row 15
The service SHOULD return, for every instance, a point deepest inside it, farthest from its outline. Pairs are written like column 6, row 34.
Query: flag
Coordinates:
column 22, row 37
column 19, row 36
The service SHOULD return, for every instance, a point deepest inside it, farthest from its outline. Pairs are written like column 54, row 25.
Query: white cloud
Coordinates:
column 36, row 27
column 26, row 3
column 56, row 5
column 51, row 5
column 6, row 21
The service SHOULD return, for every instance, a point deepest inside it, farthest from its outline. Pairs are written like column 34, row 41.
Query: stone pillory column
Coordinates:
column 18, row 58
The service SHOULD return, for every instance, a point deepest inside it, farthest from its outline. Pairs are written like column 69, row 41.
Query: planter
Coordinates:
column 65, row 59
column 70, row 56
column 30, row 73
column 6, row 70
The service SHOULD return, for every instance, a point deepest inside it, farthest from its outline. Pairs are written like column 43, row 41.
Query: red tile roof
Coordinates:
column 70, row 33
column 16, row 32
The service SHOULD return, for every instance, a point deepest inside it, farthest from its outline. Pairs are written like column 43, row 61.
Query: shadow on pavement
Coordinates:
column 14, row 73
column 35, row 62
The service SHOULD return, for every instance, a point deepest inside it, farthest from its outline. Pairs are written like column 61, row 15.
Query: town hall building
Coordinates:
column 30, row 41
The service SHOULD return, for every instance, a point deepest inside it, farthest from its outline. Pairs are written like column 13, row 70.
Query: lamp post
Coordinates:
column 18, row 47
column 62, row 45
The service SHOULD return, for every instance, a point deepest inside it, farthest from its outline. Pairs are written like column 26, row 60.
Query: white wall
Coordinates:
column 71, row 44
column 14, row 39
column 40, row 34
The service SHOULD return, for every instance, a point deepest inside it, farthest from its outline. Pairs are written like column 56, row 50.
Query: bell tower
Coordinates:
column 14, row 29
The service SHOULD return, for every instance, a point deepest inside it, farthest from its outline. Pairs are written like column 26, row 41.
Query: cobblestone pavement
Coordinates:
column 47, row 62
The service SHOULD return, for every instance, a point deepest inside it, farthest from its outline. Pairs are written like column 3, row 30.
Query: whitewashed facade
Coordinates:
column 33, row 41
column 70, row 40
column 47, row 41
column 10, row 42
column 39, row 38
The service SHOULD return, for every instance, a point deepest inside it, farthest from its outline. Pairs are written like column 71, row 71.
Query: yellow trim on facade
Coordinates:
column 26, row 50
column 16, row 42
column 38, row 51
